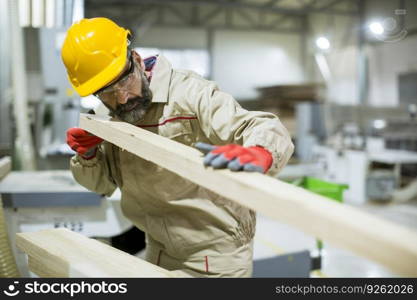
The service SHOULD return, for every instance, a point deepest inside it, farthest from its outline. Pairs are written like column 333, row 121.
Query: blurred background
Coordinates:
column 340, row 74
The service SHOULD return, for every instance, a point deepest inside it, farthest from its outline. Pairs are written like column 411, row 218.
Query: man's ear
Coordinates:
column 139, row 59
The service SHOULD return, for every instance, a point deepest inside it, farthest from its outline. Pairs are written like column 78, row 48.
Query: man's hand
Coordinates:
column 83, row 142
column 236, row 157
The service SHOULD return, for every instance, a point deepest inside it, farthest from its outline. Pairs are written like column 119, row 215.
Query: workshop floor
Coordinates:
column 273, row 238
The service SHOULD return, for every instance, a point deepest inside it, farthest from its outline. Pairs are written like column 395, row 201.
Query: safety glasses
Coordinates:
column 125, row 82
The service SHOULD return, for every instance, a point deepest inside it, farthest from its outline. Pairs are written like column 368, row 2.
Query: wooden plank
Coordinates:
column 64, row 253
column 347, row 227
column 5, row 166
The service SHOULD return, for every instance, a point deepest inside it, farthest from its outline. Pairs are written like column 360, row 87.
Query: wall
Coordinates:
column 53, row 69
column 385, row 59
column 157, row 37
column 386, row 62
column 242, row 60
column 62, row 96
column 343, row 87
column 246, row 60
column 341, row 58
column 396, row 55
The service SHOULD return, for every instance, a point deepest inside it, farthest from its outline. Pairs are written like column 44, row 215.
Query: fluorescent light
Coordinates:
column 50, row 13
column 37, row 13
column 78, row 10
column 380, row 124
column 24, row 13
column 376, row 28
column 323, row 43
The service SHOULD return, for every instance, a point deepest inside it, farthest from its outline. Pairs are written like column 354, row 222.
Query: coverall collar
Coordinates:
column 161, row 77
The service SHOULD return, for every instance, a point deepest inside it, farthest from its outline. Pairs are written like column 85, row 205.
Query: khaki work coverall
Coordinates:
column 189, row 229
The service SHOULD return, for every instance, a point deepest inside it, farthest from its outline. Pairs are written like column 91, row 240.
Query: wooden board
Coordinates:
column 385, row 242
column 5, row 166
column 64, row 253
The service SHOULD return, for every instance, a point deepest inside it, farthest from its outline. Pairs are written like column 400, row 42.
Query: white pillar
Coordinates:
column 23, row 143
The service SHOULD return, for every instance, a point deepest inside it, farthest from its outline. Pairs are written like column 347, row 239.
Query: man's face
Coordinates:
column 128, row 97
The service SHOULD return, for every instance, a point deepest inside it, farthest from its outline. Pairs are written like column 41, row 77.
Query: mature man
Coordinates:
column 189, row 229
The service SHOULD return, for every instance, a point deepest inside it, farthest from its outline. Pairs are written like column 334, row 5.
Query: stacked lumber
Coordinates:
column 8, row 268
column 5, row 166
column 282, row 99
column 64, row 253
column 287, row 95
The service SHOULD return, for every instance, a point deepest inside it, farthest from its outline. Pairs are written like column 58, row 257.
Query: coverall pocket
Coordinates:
column 235, row 263
column 195, row 224
column 179, row 130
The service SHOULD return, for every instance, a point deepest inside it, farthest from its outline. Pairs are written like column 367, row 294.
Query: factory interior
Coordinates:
column 341, row 76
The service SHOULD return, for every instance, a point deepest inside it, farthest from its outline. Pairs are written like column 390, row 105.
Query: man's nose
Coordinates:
column 122, row 96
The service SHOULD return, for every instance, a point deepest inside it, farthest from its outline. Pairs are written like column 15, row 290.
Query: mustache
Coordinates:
column 136, row 107
column 133, row 110
column 131, row 104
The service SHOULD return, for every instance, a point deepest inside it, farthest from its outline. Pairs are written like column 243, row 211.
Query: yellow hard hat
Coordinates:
column 94, row 53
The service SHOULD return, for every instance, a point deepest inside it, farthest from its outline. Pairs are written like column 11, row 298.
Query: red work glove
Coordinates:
column 83, row 142
column 236, row 157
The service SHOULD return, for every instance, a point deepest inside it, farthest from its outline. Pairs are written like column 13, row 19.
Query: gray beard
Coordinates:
column 135, row 115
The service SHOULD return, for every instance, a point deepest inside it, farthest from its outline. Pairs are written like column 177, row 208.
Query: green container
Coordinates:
column 330, row 190
column 327, row 189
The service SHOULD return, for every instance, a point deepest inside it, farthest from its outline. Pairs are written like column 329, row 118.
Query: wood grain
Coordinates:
column 5, row 166
column 382, row 241
column 64, row 253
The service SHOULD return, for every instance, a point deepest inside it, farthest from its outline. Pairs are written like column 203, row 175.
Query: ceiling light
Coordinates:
column 323, row 43
column 376, row 28
column 380, row 124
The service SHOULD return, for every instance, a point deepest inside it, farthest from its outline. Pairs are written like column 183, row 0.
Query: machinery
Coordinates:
column 51, row 199
column 373, row 150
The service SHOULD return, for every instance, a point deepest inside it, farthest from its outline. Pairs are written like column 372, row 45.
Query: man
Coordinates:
column 189, row 229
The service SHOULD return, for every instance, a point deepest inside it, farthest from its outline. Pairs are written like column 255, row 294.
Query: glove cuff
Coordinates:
column 90, row 154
